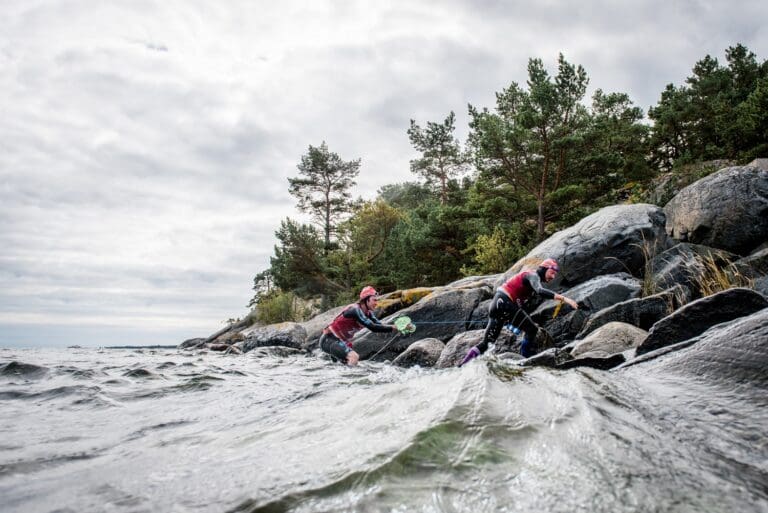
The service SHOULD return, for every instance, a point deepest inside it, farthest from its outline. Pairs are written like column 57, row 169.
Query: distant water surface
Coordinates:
column 162, row 430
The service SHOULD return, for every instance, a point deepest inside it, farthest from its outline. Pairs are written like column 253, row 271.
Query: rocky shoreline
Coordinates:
column 648, row 280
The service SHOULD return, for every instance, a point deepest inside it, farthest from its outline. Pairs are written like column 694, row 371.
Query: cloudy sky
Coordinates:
column 145, row 145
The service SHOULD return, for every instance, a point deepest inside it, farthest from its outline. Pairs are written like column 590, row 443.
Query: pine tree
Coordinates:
column 323, row 187
column 441, row 155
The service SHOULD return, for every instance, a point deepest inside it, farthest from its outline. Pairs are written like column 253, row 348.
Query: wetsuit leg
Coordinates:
column 528, row 347
column 492, row 331
column 502, row 310
column 334, row 347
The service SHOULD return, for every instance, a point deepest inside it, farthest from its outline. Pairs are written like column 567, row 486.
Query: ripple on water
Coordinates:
column 16, row 369
column 52, row 393
column 200, row 382
column 140, row 373
column 140, row 433
column 75, row 372
column 27, row 466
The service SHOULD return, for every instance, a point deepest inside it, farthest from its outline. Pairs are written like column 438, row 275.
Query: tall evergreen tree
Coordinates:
column 323, row 187
column 441, row 155
column 299, row 263
column 752, row 122
column 615, row 144
column 669, row 137
column 700, row 120
column 527, row 141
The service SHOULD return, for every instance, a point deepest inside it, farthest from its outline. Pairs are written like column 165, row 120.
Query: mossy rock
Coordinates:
column 399, row 299
column 411, row 296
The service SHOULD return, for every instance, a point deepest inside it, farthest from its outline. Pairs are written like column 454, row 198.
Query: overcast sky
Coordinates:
column 145, row 145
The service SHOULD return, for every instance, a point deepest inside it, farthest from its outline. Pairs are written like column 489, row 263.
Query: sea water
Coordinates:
column 133, row 430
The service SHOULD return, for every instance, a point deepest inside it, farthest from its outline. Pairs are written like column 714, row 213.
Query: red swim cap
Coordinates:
column 367, row 292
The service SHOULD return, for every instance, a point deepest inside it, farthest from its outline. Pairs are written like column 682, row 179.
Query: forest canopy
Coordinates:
column 541, row 158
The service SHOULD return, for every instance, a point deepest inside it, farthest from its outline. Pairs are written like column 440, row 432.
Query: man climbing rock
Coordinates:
column 507, row 307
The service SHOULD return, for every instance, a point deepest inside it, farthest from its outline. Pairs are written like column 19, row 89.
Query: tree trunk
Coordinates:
column 443, row 190
column 540, row 227
column 327, row 245
column 542, row 191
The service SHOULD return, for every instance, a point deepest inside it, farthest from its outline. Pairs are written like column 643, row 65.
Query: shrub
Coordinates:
column 493, row 253
column 279, row 306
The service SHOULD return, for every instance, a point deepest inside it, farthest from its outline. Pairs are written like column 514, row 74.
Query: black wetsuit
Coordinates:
column 505, row 309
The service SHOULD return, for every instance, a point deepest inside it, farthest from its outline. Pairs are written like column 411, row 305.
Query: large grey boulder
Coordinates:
column 595, row 360
column 288, row 334
column 612, row 240
column 700, row 315
column 732, row 355
column 664, row 187
column 612, row 338
column 487, row 280
column 603, row 349
column 726, row 210
column 592, row 296
column 423, row 353
column 761, row 285
column 597, row 293
column 640, row 312
column 759, row 163
column 440, row 315
column 192, row 343
column 456, row 348
column 757, row 261
column 558, row 359
column 479, row 317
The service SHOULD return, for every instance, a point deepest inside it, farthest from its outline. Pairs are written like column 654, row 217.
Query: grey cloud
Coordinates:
column 144, row 169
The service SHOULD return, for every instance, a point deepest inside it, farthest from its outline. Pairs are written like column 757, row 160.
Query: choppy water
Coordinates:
column 161, row 430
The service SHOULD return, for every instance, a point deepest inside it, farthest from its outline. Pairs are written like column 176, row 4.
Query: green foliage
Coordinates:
column 278, row 306
column 425, row 247
column 369, row 229
column 262, row 285
column 527, row 142
column 406, row 195
column 715, row 115
column 362, row 239
column 752, row 122
column 299, row 263
column 323, row 187
column 441, row 155
column 494, row 252
column 614, row 144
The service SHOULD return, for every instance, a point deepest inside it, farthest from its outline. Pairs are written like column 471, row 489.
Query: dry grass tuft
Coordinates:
column 712, row 276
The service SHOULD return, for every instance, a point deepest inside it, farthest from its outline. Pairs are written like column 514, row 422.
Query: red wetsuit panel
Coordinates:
column 516, row 288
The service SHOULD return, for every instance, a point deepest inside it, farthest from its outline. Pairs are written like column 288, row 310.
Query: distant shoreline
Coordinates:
column 140, row 347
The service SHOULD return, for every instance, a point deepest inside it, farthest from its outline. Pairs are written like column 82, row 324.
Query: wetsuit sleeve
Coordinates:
column 372, row 323
column 533, row 281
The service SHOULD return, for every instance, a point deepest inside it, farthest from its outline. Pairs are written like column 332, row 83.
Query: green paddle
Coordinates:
column 404, row 325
